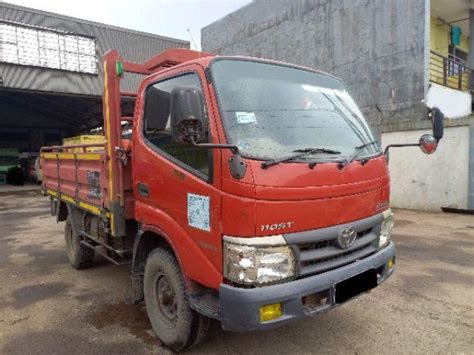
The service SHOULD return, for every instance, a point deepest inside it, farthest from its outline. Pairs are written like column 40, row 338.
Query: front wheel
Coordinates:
column 172, row 319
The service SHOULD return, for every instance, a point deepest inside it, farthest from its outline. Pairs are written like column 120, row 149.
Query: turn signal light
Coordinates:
column 270, row 311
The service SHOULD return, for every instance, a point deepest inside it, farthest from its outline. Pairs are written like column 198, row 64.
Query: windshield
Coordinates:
column 270, row 111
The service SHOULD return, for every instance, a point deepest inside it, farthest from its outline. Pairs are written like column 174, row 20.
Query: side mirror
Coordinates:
column 428, row 143
column 187, row 115
column 157, row 108
column 187, row 122
column 437, row 123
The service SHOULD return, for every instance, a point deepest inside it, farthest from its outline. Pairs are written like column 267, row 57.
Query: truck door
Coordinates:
column 174, row 184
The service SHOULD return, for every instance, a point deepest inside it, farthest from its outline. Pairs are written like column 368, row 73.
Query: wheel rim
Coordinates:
column 166, row 299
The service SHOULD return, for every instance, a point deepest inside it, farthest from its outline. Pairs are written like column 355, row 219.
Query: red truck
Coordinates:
column 250, row 191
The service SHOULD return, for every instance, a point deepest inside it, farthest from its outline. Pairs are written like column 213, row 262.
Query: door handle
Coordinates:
column 143, row 190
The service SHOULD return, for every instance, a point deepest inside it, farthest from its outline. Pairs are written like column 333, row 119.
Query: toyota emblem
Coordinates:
column 346, row 237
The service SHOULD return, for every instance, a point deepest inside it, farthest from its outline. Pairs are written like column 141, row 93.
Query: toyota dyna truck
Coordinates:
column 250, row 191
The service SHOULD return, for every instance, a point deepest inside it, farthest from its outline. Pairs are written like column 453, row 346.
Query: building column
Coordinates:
column 470, row 198
column 470, row 54
column 470, row 64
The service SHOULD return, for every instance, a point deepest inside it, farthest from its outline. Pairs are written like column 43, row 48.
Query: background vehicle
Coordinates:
column 10, row 171
column 28, row 161
column 38, row 174
column 251, row 191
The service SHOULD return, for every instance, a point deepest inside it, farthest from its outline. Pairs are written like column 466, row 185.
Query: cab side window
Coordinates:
column 157, row 127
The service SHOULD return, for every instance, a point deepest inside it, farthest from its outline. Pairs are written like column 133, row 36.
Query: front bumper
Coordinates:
column 239, row 307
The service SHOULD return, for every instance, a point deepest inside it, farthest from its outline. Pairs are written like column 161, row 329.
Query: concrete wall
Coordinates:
column 377, row 46
column 381, row 49
column 429, row 182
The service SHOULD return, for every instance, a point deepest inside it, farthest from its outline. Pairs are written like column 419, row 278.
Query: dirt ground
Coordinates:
column 48, row 307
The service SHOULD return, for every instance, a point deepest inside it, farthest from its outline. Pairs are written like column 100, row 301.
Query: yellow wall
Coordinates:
column 440, row 38
column 439, row 42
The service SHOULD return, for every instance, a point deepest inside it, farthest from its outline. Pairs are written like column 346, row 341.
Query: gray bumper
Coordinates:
column 239, row 307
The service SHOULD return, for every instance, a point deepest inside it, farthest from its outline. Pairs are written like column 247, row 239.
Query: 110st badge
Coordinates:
column 276, row 226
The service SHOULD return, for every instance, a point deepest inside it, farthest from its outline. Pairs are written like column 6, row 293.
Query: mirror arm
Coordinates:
column 237, row 165
column 385, row 152
column 399, row 146
column 233, row 148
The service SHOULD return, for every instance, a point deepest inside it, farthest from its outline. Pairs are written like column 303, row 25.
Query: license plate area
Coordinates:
column 355, row 285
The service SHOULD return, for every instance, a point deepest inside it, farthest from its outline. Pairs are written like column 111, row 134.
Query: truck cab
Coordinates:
column 252, row 191
column 264, row 226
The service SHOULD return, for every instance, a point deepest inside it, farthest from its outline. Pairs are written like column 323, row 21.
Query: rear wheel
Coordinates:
column 172, row 319
column 80, row 256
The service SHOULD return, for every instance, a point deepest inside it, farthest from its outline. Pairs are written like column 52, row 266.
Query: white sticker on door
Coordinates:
column 246, row 117
column 198, row 212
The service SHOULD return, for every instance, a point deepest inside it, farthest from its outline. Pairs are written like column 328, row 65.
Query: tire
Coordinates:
column 174, row 322
column 80, row 256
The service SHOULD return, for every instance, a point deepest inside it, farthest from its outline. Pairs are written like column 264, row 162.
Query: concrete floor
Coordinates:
column 6, row 189
column 48, row 307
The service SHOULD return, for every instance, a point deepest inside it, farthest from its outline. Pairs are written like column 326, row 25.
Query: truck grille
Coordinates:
column 317, row 250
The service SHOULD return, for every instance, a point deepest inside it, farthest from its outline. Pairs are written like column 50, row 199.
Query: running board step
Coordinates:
column 108, row 257
column 101, row 243
column 205, row 304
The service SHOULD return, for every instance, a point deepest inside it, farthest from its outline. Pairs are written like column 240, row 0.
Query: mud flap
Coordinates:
column 58, row 209
column 117, row 222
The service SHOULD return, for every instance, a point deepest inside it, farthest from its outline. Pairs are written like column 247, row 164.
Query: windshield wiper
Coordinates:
column 301, row 152
column 359, row 149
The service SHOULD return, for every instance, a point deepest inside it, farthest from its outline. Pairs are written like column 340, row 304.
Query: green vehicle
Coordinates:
column 9, row 162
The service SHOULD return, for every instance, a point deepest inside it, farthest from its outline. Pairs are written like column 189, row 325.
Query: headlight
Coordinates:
column 386, row 229
column 256, row 261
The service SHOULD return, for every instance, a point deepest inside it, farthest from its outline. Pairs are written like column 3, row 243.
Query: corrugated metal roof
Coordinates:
column 92, row 23
column 132, row 45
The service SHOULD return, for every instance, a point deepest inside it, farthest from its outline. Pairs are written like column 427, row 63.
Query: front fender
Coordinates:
column 194, row 263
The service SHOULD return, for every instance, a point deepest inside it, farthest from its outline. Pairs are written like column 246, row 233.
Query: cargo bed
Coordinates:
column 76, row 175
